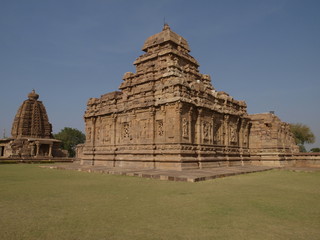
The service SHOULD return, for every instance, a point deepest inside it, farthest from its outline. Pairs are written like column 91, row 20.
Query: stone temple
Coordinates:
column 31, row 133
column 168, row 115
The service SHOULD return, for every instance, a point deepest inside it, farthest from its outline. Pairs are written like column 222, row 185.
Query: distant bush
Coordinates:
column 70, row 138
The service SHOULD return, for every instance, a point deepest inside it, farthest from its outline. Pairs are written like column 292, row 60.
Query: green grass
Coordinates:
column 50, row 204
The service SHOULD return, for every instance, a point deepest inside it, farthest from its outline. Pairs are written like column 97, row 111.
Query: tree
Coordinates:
column 70, row 138
column 315, row 150
column 302, row 134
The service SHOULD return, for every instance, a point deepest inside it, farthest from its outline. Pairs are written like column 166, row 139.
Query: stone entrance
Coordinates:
column 1, row 151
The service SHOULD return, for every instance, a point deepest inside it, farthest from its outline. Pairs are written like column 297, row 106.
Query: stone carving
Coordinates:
column 185, row 127
column 126, row 131
column 206, row 129
column 160, row 127
column 233, row 133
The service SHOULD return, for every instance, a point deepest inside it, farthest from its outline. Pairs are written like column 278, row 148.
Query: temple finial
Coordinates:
column 165, row 26
column 33, row 95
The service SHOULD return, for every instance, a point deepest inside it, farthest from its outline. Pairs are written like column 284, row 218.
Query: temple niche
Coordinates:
column 167, row 115
column 31, row 133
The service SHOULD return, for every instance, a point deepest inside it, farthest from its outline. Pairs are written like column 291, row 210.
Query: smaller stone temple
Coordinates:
column 31, row 133
column 271, row 140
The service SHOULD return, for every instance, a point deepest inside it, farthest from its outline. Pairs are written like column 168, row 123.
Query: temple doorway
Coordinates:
column 1, row 151
column 44, row 150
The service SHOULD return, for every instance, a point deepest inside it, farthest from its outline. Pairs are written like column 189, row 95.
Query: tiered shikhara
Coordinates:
column 167, row 115
column 31, row 133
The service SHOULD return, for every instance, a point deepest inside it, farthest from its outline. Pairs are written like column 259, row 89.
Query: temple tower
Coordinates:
column 31, row 133
column 31, row 119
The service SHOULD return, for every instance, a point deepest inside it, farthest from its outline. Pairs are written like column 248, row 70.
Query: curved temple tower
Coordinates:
column 167, row 115
column 31, row 119
column 31, row 133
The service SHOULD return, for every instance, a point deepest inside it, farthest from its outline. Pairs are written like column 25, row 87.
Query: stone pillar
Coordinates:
column 241, row 132
column 215, row 130
column 212, row 126
column 198, row 126
column 32, row 149
column 114, row 130
column 153, row 127
column 38, row 148
column 153, row 124
column 178, row 132
column 98, row 130
column 226, row 130
column 93, row 139
column 50, row 150
column 113, row 137
column 238, row 129
column 190, row 124
column 245, row 133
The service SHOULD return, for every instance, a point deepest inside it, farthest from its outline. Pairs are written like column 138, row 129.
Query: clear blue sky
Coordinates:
column 262, row 51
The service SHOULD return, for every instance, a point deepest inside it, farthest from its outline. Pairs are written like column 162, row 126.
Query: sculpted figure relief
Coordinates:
column 233, row 134
column 205, row 129
column 185, row 127
column 160, row 127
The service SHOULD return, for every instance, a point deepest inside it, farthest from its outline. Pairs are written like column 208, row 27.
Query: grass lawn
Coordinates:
column 50, row 204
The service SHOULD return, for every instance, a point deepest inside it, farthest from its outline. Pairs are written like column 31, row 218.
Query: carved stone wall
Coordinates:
column 271, row 140
column 269, row 133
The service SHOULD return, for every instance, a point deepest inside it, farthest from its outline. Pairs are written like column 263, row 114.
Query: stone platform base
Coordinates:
column 194, row 175
column 36, row 160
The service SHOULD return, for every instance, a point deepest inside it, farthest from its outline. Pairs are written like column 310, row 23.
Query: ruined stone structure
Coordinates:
column 168, row 115
column 31, row 133
column 270, row 139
